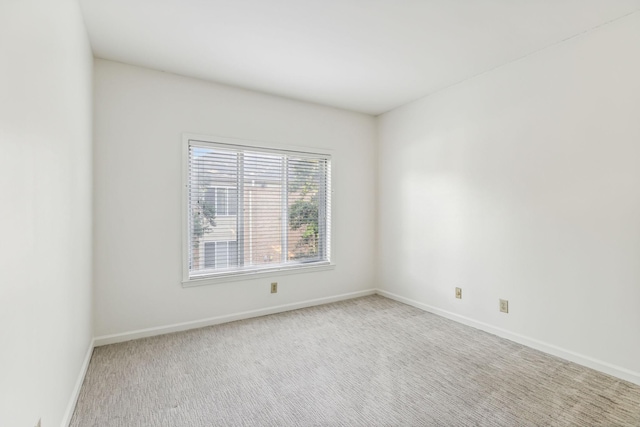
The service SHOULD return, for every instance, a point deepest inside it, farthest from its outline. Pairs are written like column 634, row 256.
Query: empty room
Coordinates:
column 319, row 213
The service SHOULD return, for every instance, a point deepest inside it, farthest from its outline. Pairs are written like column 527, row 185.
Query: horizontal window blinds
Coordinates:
column 255, row 209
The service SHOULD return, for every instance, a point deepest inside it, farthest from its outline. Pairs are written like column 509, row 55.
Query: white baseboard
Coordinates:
column 71, row 406
column 160, row 330
column 598, row 365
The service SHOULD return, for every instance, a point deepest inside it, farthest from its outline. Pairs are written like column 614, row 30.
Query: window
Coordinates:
column 220, row 254
column 224, row 199
column 254, row 209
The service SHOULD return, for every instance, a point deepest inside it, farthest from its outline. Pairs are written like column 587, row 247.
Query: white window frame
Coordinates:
column 229, row 276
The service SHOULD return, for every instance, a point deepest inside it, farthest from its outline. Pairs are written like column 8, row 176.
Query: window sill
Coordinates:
column 258, row 274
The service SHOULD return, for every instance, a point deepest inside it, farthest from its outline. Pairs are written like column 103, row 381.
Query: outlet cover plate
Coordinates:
column 459, row 293
column 504, row 306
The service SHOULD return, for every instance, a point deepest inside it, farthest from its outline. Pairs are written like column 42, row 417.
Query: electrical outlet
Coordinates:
column 274, row 287
column 504, row 305
column 459, row 293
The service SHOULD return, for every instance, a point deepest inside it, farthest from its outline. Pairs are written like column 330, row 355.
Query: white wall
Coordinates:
column 140, row 115
column 45, row 208
column 523, row 184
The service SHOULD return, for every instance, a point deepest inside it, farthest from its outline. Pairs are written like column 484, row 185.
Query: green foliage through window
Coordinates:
column 303, row 214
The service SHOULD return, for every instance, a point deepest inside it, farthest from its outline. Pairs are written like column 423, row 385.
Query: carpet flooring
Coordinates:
column 369, row 361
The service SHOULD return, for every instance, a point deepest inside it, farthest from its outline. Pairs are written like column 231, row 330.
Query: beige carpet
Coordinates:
column 364, row 362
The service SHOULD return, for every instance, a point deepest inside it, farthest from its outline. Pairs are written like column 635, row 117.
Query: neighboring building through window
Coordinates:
column 220, row 254
column 224, row 199
column 251, row 209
